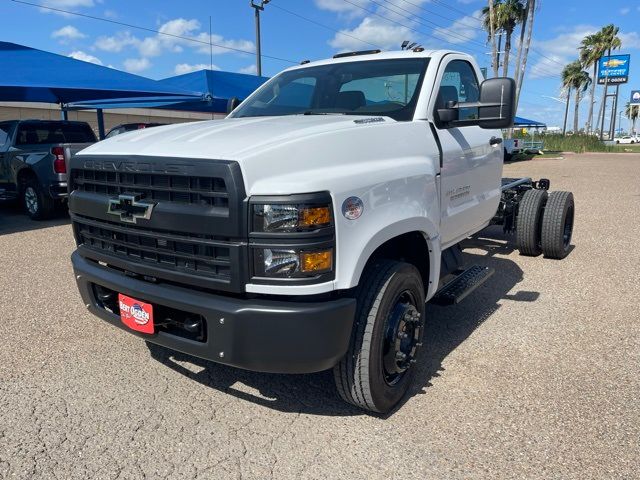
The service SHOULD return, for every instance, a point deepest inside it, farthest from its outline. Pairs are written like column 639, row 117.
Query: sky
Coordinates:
column 124, row 36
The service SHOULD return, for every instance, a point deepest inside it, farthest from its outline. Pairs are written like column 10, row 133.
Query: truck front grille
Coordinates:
column 205, row 257
column 195, row 190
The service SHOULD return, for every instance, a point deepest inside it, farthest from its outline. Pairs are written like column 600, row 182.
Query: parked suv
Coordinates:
column 33, row 161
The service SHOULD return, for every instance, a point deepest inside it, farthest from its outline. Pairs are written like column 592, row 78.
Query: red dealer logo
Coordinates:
column 135, row 314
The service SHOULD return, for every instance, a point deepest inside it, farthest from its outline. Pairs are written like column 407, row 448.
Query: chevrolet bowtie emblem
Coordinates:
column 130, row 208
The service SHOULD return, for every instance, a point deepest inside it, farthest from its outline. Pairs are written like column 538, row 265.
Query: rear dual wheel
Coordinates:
column 378, row 368
column 545, row 223
column 557, row 225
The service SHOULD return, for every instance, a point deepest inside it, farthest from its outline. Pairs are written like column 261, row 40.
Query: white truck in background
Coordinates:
column 307, row 230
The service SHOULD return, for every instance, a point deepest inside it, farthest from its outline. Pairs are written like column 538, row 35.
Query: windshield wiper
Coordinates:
column 311, row 112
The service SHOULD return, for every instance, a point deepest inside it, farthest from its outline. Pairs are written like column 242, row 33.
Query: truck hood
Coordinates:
column 228, row 139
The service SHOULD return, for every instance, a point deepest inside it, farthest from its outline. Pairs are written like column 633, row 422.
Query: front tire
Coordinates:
column 378, row 368
column 37, row 204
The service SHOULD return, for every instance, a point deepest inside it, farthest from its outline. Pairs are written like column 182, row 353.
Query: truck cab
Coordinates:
column 306, row 230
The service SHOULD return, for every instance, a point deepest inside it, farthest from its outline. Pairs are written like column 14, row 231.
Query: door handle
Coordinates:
column 495, row 141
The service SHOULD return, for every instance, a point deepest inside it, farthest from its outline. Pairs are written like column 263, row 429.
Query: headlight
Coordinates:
column 292, row 263
column 292, row 238
column 290, row 218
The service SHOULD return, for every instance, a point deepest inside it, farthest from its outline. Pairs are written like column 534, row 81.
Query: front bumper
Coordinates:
column 255, row 334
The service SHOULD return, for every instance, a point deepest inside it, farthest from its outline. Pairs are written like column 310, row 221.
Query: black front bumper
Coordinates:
column 252, row 333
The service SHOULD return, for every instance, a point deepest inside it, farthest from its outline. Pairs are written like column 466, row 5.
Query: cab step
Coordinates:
column 462, row 285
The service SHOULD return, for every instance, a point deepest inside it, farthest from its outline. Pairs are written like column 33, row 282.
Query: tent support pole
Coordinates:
column 100, row 115
column 64, row 114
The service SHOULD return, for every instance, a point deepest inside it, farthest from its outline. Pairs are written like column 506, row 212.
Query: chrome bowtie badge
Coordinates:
column 130, row 208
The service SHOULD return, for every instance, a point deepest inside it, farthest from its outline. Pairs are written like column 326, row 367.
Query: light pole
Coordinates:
column 258, row 7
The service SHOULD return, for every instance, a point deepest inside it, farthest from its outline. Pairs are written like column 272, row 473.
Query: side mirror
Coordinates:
column 232, row 104
column 497, row 103
column 495, row 109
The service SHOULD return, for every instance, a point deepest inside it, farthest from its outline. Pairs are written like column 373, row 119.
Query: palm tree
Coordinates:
column 490, row 25
column 507, row 15
column 632, row 112
column 574, row 77
column 591, row 49
column 523, row 46
column 609, row 41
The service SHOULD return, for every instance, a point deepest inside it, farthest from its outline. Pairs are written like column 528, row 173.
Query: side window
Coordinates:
column 459, row 82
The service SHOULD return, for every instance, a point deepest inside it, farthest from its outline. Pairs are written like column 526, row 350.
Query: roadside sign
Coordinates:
column 635, row 97
column 615, row 68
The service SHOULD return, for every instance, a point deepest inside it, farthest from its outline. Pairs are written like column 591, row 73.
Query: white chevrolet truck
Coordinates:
column 307, row 230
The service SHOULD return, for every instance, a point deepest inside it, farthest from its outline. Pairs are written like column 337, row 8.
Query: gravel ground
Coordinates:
column 535, row 375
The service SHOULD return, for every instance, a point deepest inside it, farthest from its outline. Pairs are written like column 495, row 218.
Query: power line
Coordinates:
column 467, row 39
column 129, row 25
column 396, row 22
column 273, row 5
column 443, row 17
column 456, row 35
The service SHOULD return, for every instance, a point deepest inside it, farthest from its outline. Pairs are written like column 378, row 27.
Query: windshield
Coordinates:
column 379, row 88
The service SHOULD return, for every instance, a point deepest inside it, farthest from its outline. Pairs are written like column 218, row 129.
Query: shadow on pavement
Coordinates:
column 14, row 220
column 446, row 328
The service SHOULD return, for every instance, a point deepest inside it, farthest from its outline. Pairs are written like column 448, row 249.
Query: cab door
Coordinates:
column 471, row 160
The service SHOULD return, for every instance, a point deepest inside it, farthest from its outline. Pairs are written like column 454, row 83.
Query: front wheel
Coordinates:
column 378, row 368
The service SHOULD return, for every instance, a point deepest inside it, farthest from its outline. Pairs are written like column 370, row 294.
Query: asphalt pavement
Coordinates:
column 535, row 375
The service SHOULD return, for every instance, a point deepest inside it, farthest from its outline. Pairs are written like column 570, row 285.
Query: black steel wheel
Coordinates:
column 529, row 222
column 557, row 225
column 37, row 204
column 378, row 368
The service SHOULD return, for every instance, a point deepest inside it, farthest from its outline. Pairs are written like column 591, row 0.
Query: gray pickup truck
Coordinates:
column 33, row 161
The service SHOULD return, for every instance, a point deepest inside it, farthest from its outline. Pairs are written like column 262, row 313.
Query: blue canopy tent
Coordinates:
column 521, row 122
column 218, row 88
column 530, row 145
column 31, row 75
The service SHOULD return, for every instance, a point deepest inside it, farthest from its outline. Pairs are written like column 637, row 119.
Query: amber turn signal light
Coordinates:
column 316, row 261
column 309, row 217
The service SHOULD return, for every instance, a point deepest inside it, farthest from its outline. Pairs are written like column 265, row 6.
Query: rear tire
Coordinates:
column 37, row 204
column 378, row 368
column 529, row 222
column 557, row 225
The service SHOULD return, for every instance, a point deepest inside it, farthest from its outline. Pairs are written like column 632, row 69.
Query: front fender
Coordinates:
column 409, row 225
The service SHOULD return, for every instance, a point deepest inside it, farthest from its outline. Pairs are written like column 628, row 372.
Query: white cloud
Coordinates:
column 462, row 30
column 371, row 30
column 68, row 33
column 136, row 65
column 342, row 7
column 116, row 43
column 174, row 37
column 249, row 70
column 85, row 57
column 624, row 11
column 183, row 68
column 64, row 5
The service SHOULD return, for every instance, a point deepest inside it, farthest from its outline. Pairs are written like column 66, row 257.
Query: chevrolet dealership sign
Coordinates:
column 614, row 68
